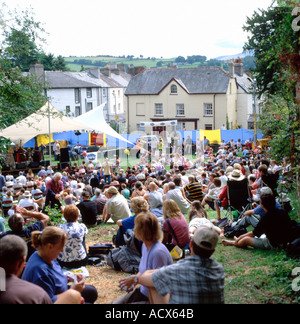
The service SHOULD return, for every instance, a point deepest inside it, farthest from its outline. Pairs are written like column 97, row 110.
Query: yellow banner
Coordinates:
column 44, row 139
column 214, row 136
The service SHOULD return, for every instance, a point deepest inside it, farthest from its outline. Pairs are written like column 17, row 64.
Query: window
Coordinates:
column 208, row 126
column 89, row 93
column 159, row 110
column 208, row 109
column 104, row 92
column 77, row 111
column 89, row 106
column 140, row 128
column 77, row 96
column 180, row 109
column 174, row 89
column 68, row 110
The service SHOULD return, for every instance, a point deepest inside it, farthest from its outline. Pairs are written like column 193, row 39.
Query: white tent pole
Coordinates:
column 49, row 124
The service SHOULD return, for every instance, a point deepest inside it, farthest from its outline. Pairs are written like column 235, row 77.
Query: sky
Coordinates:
column 157, row 28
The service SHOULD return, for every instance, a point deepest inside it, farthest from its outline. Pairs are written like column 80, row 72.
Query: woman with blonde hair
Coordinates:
column 154, row 255
column 175, row 226
column 43, row 269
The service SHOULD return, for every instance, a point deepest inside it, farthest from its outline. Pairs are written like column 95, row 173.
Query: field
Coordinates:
column 101, row 61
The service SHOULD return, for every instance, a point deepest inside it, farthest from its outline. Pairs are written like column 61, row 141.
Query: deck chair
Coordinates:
column 239, row 199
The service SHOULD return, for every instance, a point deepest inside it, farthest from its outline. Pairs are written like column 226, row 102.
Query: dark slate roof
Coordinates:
column 193, row 80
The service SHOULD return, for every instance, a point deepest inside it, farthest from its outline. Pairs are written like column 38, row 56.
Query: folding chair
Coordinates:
column 239, row 199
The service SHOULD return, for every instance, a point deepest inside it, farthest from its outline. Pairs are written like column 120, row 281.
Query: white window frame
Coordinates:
column 179, row 109
column 208, row 110
column 159, row 109
column 89, row 92
column 174, row 89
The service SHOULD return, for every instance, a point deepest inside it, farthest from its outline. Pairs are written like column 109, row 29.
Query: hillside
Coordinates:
column 79, row 63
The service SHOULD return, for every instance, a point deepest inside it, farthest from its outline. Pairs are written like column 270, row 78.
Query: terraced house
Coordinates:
column 75, row 93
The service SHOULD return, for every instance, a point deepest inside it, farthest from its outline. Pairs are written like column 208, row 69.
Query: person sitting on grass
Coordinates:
column 197, row 279
column 138, row 205
column 275, row 224
column 43, row 269
column 154, row 255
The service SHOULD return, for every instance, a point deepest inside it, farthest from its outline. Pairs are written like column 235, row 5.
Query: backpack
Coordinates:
column 232, row 231
column 127, row 257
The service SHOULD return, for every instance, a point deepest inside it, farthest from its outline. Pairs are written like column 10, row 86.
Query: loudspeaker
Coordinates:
column 63, row 165
column 34, row 165
column 64, row 155
column 45, row 163
column 21, row 165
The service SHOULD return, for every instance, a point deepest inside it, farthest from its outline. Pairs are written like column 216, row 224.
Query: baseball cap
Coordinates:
column 206, row 237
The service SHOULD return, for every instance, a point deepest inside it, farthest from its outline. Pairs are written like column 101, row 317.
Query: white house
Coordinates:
column 75, row 93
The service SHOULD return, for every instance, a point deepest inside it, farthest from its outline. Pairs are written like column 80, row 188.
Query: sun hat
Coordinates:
column 27, row 194
column 236, row 175
column 206, row 237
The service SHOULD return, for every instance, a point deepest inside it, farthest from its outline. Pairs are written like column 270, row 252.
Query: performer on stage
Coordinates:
column 21, row 154
column 10, row 158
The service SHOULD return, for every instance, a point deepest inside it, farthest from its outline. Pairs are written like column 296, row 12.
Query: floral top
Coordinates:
column 74, row 248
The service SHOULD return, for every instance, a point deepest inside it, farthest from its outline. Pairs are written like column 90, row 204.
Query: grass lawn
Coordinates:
column 252, row 276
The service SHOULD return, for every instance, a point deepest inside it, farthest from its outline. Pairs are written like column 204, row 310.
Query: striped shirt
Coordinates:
column 193, row 280
column 195, row 191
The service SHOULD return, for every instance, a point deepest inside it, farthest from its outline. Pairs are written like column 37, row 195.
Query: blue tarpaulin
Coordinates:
column 83, row 139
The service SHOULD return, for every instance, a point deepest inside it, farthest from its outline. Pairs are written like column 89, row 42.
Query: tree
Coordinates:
column 20, row 94
column 21, row 33
column 276, row 47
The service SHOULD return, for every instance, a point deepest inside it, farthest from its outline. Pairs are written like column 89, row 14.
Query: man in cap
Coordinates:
column 275, row 224
column 197, row 279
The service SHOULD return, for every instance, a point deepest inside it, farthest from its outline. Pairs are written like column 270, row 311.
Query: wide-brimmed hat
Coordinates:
column 236, row 175
column 27, row 194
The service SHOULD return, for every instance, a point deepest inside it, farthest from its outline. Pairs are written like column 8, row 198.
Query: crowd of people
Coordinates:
column 164, row 204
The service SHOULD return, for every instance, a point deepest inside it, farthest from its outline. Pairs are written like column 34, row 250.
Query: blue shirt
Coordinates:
column 49, row 277
column 261, row 212
column 156, row 257
column 128, row 223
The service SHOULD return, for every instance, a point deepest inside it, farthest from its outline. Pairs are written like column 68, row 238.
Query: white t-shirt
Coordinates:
column 117, row 207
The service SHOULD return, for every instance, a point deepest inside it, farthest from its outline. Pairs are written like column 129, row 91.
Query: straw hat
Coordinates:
column 236, row 175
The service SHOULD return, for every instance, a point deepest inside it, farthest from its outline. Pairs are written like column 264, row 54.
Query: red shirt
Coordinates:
column 54, row 187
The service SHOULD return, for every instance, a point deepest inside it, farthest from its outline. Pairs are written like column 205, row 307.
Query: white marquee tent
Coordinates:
column 48, row 120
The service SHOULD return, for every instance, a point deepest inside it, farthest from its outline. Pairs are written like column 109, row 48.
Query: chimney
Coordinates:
column 106, row 71
column 238, row 67
column 231, row 69
column 38, row 70
column 94, row 72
